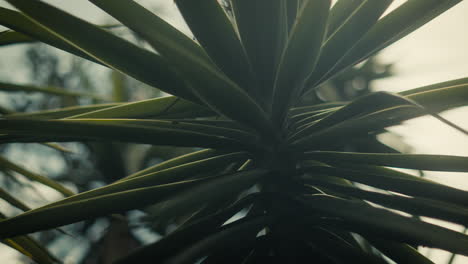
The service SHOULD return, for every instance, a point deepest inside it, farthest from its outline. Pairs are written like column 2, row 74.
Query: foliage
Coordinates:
column 237, row 94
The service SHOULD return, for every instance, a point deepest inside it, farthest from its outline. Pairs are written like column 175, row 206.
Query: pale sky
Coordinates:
column 435, row 53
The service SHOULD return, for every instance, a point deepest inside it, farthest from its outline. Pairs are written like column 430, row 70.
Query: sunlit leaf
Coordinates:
column 217, row 35
column 409, row 161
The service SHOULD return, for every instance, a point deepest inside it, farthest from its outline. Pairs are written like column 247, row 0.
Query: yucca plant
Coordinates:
column 235, row 94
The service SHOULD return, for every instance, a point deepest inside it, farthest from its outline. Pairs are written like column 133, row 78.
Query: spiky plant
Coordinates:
column 235, row 94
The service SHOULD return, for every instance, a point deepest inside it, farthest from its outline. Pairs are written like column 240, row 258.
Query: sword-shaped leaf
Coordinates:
column 292, row 8
column 314, row 107
column 347, row 35
column 161, row 107
column 362, row 106
column 217, row 35
column 187, row 235
column 389, row 224
column 179, row 173
column 440, row 99
column 242, row 231
column 9, row 87
column 340, row 12
column 205, row 80
column 72, row 130
column 398, row 252
column 412, row 205
column 409, row 161
column 295, row 64
column 31, row 248
column 179, row 160
column 405, row 19
column 39, row 219
column 94, row 41
column 262, row 25
column 400, row 182
column 10, row 37
column 222, row 187
column 19, row 22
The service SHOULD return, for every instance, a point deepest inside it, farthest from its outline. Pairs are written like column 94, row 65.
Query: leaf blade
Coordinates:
column 307, row 34
column 124, row 56
column 207, row 82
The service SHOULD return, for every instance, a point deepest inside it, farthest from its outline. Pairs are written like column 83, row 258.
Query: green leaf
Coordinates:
column 153, row 24
column 389, row 224
column 6, row 164
column 187, row 235
column 39, row 219
column 177, row 161
column 315, row 107
column 205, row 80
column 408, row 17
column 9, row 37
column 222, row 123
column 93, row 41
column 359, row 127
column 262, row 25
column 386, row 179
column 9, row 87
column 109, row 130
column 31, row 248
column 58, row 147
column 398, row 252
column 435, row 86
column 301, row 117
column 60, row 113
column 301, row 121
column 335, row 247
column 436, row 99
column 23, row 25
column 371, row 119
column 217, row 35
column 409, row 161
column 161, row 107
column 295, row 65
column 243, row 137
column 119, row 90
column 170, row 175
column 229, row 236
column 340, row 12
column 347, row 35
column 365, row 105
column 293, row 8
column 220, row 188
